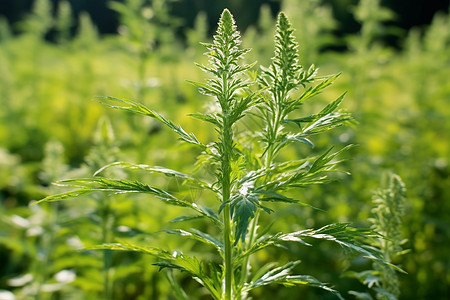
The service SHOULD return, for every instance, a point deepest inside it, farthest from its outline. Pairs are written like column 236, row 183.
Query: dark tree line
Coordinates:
column 409, row 13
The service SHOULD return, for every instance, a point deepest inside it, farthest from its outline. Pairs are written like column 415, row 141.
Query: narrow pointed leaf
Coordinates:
column 199, row 236
column 156, row 169
column 64, row 196
column 131, row 106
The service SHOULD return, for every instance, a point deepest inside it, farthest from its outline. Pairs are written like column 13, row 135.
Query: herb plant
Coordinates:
column 388, row 212
column 247, row 173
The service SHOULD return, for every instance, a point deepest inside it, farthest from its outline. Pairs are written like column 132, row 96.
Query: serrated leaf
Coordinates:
column 211, row 118
column 349, row 237
column 325, row 120
column 275, row 197
column 312, row 91
column 368, row 277
column 118, row 186
column 274, row 275
column 331, row 107
column 206, row 89
column 64, row 196
column 261, row 243
column 282, row 275
column 312, row 171
column 244, row 209
column 310, row 281
column 121, row 186
column 263, row 270
column 151, row 169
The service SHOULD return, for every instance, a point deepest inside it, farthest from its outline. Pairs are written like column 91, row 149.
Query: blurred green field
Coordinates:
column 52, row 128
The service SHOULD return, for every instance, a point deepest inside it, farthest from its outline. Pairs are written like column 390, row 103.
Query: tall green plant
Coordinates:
column 388, row 212
column 244, row 180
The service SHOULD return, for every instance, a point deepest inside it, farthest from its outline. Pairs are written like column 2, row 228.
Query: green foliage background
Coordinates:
column 49, row 130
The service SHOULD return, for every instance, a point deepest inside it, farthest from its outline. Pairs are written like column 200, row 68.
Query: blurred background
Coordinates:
column 57, row 56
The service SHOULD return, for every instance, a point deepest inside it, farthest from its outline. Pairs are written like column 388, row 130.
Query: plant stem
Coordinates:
column 227, row 140
column 228, row 253
column 251, row 240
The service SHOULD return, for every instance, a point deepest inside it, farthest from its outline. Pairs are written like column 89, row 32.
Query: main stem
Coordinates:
column 228, row 254
column 227, row 140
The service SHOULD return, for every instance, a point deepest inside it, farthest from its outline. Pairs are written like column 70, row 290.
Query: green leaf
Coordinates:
column 275, row 197
column 121, row 186
column 385, row 293
column 199, row 236
column 274, row 275
column 313, row 91
column 211, row 118
column 341, row 233
column 205, row 89
column 244, row 209
column 311, row 171
column 349, row 237
column 331, row 107
column 156, row 169
column 174, row 260
column 368, row 277
column 180, row 294
column 361, row 296
column 261, row 243
column 327, row 122
column 282, row 275
column 64, row 196
column 184, row 218
column 325, row 161
column 300, row 138
column 117, row 186
column 263, row 270
column 309, row 281
column 131, row 106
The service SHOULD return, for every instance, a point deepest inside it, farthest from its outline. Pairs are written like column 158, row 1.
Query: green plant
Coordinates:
column 247, row 169
column 43, row 238
column 388, row 212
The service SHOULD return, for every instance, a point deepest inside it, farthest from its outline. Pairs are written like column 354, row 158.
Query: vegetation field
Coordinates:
column 189, row 168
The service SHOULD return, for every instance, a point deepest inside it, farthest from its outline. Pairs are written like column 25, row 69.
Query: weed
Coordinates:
column 244, row 180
